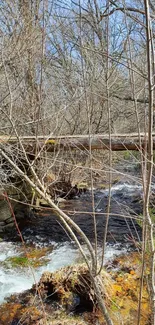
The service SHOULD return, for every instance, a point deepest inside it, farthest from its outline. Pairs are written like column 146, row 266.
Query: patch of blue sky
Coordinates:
column 63, row 30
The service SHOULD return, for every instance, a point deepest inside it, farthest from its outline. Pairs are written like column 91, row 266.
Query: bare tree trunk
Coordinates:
column 148, row 222
column 110, row 142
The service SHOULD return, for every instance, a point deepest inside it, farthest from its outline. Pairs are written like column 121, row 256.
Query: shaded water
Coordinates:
column 125, row 205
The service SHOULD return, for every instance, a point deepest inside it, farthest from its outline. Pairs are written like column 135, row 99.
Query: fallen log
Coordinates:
column 119, row 142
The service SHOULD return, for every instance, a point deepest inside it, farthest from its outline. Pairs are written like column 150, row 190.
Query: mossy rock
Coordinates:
column 16, row 261
column 82, row 186
column 103, row 186
column 34, row 258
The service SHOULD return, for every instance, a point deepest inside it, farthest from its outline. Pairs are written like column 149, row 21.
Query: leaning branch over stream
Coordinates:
column 69, row 226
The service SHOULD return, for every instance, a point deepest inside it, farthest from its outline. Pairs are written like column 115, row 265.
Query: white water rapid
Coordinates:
column 16, row 280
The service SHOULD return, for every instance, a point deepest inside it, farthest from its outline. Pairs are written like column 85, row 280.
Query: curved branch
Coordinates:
column 124, row 10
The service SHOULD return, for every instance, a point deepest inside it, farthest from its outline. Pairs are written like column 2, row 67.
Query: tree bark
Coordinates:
column 119, row 142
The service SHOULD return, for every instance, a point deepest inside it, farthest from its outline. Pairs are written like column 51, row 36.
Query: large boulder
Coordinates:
column 7, row 220
column 11, row 206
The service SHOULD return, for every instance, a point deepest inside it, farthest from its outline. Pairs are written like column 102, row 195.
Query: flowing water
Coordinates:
column 45, row 231
column 15, row 280
column 19, row 279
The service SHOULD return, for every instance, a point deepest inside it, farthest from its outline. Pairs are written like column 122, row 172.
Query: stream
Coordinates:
column 45, row 231
column 17, row 280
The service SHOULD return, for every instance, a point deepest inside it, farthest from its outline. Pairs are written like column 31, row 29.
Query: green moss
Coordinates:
column 136, row 154
column 102, row 186
column 82, row 185
column 114, row 307
column 35, row 258
column 23, row 262
column 17, row 261
column 139, row 221
column 51, row 141
column 127, row 155
column 152, row 214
